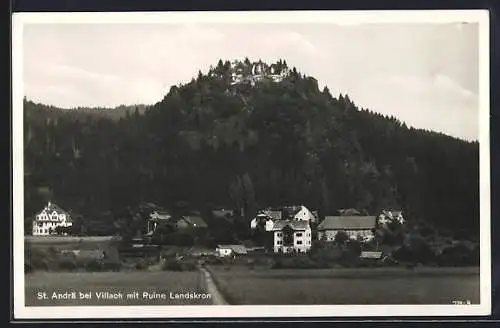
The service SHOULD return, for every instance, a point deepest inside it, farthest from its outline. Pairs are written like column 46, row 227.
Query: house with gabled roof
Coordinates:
column 292, row 236
column 390, row 216
column 262, row 220
column 49, row 219
column 157, row 216
column 303, row 213
column 231, row 250
column 355, row 227
column 274, row 214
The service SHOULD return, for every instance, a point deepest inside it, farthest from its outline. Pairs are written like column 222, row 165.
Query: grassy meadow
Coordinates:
column 124, row 282
column 242, row 286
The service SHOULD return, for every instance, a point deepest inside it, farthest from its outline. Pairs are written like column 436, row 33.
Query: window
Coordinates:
column 279, row 242
column 299, row 242
column 279, row 234
column 299, row 234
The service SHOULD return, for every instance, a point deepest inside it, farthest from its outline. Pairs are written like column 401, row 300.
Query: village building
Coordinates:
column 49, row 219
column 292, row 236
column 391, row 216
column 274, row 214
column 356, row 227
column 263, row 220
column 231, row 250
column 155, row 218
column 303, row 214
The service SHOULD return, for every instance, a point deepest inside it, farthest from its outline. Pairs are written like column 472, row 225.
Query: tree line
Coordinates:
column 210, row 144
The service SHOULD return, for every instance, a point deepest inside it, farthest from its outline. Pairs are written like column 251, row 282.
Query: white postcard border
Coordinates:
column 233, row 311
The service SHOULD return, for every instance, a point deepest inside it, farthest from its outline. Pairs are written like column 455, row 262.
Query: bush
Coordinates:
column 141, row 265
column 94, row 265
column 67, row 264
column 459, row 255
column 109, row 265
column 178, row 265
column 294, row 263
column 38, row 259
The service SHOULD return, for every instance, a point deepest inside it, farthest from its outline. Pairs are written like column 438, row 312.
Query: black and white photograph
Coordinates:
column 251, row 164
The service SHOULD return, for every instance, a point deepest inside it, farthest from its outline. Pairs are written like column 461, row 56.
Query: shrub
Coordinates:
column 294, row 263
column 38, row 259
column 459, row 255
column 67, row 264
column 214, row 261
column 109, row 265
column 177, row 265
column 189, row 266
column 141, row 265
column 94, row 266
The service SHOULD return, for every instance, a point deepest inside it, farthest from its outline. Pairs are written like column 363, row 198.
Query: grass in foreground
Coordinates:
column 113, row 282
column 348, row 286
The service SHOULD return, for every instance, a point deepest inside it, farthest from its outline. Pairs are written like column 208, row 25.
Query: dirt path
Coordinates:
column 217, row 297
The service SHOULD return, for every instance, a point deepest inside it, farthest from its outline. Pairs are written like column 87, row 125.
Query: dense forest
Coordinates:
column 213, row 143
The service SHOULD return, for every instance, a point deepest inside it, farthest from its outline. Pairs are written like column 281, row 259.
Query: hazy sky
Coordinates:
column 424, row 74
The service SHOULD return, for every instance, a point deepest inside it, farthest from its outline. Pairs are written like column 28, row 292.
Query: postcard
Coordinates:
column 251, row 164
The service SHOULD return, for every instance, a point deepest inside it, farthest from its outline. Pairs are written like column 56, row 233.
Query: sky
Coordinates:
column 424, row 74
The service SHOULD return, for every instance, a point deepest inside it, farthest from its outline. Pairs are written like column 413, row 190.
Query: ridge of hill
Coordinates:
column 251, row 135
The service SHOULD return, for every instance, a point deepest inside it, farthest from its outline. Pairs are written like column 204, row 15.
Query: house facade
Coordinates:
column 230, row 250
column 303, row 214
column 391, row 216
column 292, row 236
column 356, row 227
column 51, row 217
column 264, row 220
column 155, row 218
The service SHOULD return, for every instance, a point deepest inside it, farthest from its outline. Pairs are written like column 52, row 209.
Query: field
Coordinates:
column 240, row 285
column 113, row 282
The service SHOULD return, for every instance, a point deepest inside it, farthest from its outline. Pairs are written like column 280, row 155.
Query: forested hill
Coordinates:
column 252, row 135
column 42, row 112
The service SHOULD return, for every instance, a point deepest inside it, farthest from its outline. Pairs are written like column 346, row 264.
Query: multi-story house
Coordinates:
column 292, row 236
column 48, row 219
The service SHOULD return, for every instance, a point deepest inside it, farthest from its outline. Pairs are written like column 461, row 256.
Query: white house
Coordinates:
column 264, row 219
column 292, row 236
column 51, row 217
column 303, row 214
column 230, row 250
column 356, row 227
column 387, row 217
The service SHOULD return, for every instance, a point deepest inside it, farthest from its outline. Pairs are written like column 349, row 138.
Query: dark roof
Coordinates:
column 275, row 215
column 294, row 224
column 195, row 221
column 238, row 249
column 348, row 223
column 50, row 207
column 160, row 215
